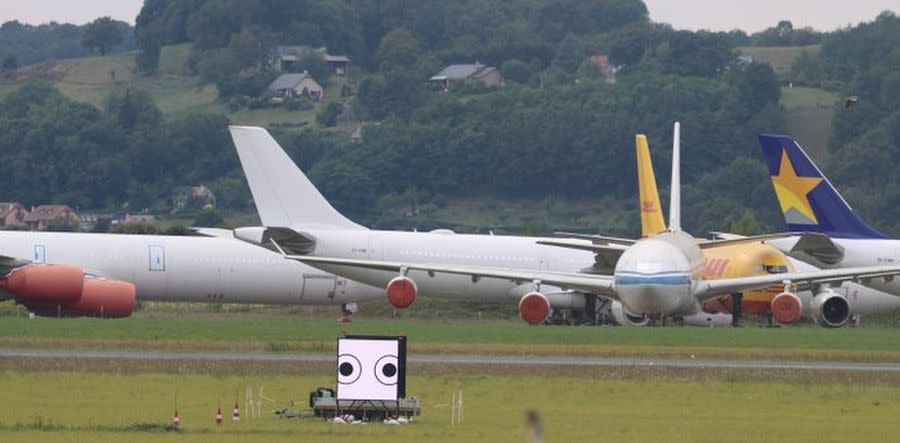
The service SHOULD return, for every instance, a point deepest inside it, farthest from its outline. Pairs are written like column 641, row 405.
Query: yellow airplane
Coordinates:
column 727, row 261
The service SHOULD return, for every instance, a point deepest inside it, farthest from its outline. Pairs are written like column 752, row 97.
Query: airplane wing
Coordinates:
column 584, row 246
column 596, row 238
column 710, row 289
column 591, row 283
column 728, row 241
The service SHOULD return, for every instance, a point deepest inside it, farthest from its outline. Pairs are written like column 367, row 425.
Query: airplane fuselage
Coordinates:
column 188, row 269
column 657, row 275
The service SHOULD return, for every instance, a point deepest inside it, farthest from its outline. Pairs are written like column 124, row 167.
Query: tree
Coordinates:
column 758, row 86
column 516, row 71
column 102, row 35
column 329, row 114
column 10, row 63
column 209, row 218
column 569, row 54
column 398, row 48
column 314, row 63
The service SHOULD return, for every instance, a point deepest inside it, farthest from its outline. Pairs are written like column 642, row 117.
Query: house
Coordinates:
column 608, row 69
column 296, row 85
column 285, row 58
column 488, row 75
column 42, row 217
column 194, row 197
column 12, row 215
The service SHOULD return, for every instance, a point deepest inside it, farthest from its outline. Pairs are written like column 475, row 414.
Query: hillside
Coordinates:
column 780, row 57
column 173, row 88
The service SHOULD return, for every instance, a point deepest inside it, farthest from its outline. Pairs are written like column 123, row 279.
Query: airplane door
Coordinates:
column 318, row 287
column 40, row 254
column 157, row 255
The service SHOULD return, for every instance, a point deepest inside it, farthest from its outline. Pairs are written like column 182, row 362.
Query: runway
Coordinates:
column 460, row 359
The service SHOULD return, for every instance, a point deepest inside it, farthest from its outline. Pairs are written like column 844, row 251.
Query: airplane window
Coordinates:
column 776, row 269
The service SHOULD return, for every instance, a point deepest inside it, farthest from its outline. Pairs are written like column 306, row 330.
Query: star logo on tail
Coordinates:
column 792, row 193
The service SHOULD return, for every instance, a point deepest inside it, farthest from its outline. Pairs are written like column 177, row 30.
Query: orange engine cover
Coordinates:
column 46, row 283
column 534, row 308
column 105, row 298
column 401, row 292
column 786, row 308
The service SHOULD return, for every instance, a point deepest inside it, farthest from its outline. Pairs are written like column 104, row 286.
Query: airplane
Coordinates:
column 771, row 305
column 656, row 277
column 829, row 234
column 60, row 274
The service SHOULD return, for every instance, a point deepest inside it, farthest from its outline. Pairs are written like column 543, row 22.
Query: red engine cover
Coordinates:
column 786, row 308
column 401, row 292
column 534, row 308
column 101, row 298
column 46, row 283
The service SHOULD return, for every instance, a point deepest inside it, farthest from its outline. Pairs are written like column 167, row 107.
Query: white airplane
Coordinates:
column 102, row 275
column 829, row 234
column 660, row 276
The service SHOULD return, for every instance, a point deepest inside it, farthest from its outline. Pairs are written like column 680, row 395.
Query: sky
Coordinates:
column 715, row 15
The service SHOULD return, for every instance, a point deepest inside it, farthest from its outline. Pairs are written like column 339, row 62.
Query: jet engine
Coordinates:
column 45, row 283
column 830, row 309
column 534, row 308
column 60, row 290
column 624, row 318
column 401, row 292
column 786, row 308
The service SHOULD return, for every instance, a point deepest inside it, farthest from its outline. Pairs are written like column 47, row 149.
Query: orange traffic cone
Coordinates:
column 236, row 416
column 176, row 421
column 219, row 416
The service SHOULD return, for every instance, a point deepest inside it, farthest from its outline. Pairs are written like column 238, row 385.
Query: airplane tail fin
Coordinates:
column 809, row 201
column 652, row 221
column 284, row 196
column 675, row 198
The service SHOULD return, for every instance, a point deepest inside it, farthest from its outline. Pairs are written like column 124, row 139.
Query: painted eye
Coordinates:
column 386, row 370
column 349, row 369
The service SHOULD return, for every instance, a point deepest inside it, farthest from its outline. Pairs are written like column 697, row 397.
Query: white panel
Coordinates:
column 365, row 368
column 40, row 254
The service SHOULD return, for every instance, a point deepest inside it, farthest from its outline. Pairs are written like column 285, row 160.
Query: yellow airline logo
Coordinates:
column 792, row 192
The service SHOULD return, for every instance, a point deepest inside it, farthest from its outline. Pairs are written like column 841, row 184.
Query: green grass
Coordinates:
column 107, row 407
column 249, row 332
column 780, row 57
column 809, row 118
column 174, row 89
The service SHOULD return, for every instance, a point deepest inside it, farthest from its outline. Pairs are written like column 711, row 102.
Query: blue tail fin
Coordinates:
column 809, row 201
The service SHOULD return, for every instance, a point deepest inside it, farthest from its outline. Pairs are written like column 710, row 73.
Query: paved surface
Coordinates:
column 459, row 359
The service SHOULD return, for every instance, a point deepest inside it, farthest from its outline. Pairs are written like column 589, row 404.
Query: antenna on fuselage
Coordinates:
column 675, row 200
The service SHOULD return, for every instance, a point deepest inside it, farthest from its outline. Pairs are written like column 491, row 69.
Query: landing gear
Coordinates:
column 347, row 311
column 737, row 300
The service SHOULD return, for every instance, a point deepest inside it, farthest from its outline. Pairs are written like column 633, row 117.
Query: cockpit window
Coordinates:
column 776, row 269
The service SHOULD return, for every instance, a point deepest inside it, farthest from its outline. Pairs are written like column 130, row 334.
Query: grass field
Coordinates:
column 780, row 57
column 260, row 333
column 174, row 89
column 82, row 406
column 809, row 118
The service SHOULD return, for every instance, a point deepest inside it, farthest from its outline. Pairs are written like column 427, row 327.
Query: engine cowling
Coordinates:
column 100, row 298
column 786, row 308
column 624, row 318
column 534, row 308
column 830, row 309
column 46, row 284
column 401, row 292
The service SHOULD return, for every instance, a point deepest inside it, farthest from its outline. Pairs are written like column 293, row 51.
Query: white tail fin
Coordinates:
column 675, row 200
column 283, row 195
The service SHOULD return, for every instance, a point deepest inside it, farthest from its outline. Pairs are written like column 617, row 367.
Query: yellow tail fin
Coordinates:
column 652, row 221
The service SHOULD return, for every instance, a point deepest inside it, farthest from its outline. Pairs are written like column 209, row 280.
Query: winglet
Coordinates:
column 675, row 201
column 284, row 196
column 652, row 221
column 809, row 202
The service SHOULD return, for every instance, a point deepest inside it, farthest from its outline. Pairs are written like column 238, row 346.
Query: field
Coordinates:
column 780, row 57
column 284, row 333
column 82, row 406
column 173, row 88
column 809, row 118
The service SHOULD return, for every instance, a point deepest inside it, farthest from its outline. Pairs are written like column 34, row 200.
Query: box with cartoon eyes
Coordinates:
column 371, row 368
